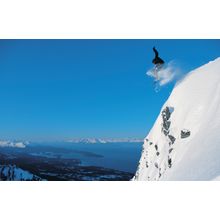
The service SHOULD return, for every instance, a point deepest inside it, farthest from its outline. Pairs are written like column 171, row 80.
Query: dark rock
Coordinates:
column 151, row 143
column 166, row 125
column 169, row 162
column 170, row 150
column 165, row 132
column 156, row 165
column 156, row 147
column 166, row 113
column 157, row 153
column 185, row 133
column 172, row 138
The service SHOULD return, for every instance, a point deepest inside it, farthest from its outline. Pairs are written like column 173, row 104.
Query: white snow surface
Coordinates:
column 193, row 106
column 13, row 173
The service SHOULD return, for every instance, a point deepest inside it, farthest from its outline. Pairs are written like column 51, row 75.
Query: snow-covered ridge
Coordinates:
column 18, row 144
column 184, row 143
column 13, row 173
column 104, row 141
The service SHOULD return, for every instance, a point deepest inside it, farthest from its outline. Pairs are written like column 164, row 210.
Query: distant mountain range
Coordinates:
column 23, row 144
column 104, row 141
column 18, row 144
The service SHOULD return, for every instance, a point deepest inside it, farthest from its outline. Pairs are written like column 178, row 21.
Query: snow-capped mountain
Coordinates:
column 13, row 173
column 87, row 140
column 104, row 141
column 18, row 144
column 184, row 143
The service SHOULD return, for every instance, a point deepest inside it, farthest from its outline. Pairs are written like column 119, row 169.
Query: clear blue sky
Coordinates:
column 58, row 89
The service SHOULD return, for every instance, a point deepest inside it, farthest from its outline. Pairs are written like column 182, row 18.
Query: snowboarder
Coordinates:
column 158, row 62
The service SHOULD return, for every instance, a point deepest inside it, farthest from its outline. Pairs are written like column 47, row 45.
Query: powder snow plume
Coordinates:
column 167, row 74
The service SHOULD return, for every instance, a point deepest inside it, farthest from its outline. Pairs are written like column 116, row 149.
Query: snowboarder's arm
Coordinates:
column 155, row 51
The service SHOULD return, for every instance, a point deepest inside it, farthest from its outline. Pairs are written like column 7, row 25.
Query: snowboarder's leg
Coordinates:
column 156, row 70
column 156, row 75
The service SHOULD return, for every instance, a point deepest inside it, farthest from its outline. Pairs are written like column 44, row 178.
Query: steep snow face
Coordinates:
column 184, row 143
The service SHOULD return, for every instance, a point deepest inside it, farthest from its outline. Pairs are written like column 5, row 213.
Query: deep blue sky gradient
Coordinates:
column 60, row 89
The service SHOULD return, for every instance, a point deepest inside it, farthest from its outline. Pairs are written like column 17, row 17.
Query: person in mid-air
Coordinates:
column 158, row 62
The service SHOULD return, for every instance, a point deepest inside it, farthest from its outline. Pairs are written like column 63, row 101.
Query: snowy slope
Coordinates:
column 184, row 143
column 13, row 173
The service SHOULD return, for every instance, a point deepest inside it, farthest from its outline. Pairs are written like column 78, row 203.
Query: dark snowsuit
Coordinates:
column 157, row 60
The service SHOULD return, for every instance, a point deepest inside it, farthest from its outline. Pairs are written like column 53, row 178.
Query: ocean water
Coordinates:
column 119, row 156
